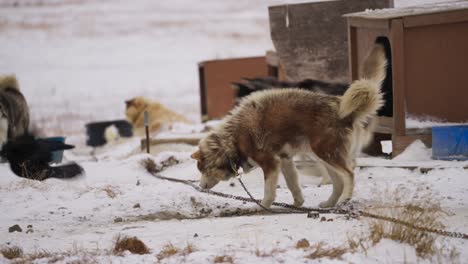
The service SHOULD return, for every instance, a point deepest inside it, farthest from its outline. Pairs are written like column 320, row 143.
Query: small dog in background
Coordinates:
column 14, row 111
column 159, row 115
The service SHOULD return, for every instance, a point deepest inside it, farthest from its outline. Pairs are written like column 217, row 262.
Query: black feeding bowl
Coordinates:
column 95, row 131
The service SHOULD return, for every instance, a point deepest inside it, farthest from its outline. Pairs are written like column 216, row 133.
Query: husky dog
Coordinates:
column 29, row 157
column 269, row 127
column 14, row 111
column 158, row 114
column 251, row 85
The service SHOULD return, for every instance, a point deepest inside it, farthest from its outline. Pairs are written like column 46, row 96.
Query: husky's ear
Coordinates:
column 129, row 103
column 196, row 155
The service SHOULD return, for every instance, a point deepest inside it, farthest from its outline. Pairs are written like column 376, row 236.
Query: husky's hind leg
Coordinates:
column 290, row 175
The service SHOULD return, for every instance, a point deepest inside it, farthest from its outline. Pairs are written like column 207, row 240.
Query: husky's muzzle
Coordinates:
column 208, row 182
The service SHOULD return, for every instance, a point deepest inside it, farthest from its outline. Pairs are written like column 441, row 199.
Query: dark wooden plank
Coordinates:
column 398, row 64
column 202, row 85
column 311, row 38
column 352, row 52
column 158, row 141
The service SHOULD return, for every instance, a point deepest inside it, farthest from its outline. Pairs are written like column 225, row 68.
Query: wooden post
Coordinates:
column 147, row 132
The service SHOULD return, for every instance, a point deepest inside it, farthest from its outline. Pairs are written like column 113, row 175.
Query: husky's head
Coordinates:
column 213, row 161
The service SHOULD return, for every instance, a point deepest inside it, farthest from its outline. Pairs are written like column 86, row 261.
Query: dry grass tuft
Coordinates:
column 169, row 250
column 264, row 254
column 190, row 248
column 132, row 244
column 361, row 243
column 315, row 251
column 223, row 259
column 320, row 251
column 428, row 216
column 11, row 252
column 303, row 243
column 111, row 191
column 40, row 254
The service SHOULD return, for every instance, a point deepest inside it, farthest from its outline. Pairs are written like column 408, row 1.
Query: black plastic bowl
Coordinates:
column 95, row 131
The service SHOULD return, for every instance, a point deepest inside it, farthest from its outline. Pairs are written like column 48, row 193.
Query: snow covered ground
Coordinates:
column 78, row 60
column 118, row 197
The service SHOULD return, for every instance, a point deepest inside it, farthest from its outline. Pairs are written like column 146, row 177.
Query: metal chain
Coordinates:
column 350, row 212
column 355, row 213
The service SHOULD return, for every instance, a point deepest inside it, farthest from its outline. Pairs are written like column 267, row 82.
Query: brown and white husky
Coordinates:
column 269, row 127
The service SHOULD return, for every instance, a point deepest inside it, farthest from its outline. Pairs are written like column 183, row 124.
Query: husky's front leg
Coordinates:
column 290, row 175
column 270, row 167
column 337, row 180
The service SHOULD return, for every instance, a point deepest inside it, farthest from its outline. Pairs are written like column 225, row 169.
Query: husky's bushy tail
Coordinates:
column 364, row 98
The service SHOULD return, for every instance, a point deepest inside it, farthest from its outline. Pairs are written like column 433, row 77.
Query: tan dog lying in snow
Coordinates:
column 159, row 115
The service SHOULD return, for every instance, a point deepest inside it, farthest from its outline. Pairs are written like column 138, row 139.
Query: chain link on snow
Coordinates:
column 294, row 209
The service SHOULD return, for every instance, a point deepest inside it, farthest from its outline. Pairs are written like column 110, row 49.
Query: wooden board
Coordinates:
column 311, row 38
column 216, row 93
column 189, row 139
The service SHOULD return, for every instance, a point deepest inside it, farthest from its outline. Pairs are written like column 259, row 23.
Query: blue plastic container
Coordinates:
column 57, row 156
column 450, row 142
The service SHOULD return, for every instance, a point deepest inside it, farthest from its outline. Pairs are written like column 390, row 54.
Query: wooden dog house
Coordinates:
column 428, row 64
column 216, row 93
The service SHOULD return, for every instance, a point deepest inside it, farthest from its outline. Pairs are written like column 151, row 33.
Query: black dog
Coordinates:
column 30, row 157
column 250, row 85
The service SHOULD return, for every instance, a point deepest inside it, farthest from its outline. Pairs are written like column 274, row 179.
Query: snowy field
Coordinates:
column 78, row 60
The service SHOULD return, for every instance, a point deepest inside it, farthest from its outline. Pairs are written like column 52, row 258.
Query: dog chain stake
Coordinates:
column 146, row 117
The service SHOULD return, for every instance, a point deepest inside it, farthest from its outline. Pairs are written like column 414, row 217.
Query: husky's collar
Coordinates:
column 247, row 165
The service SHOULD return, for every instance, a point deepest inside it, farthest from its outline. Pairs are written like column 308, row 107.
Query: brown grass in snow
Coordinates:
column 132, row 244
column 170, row 250
column 11, row 252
